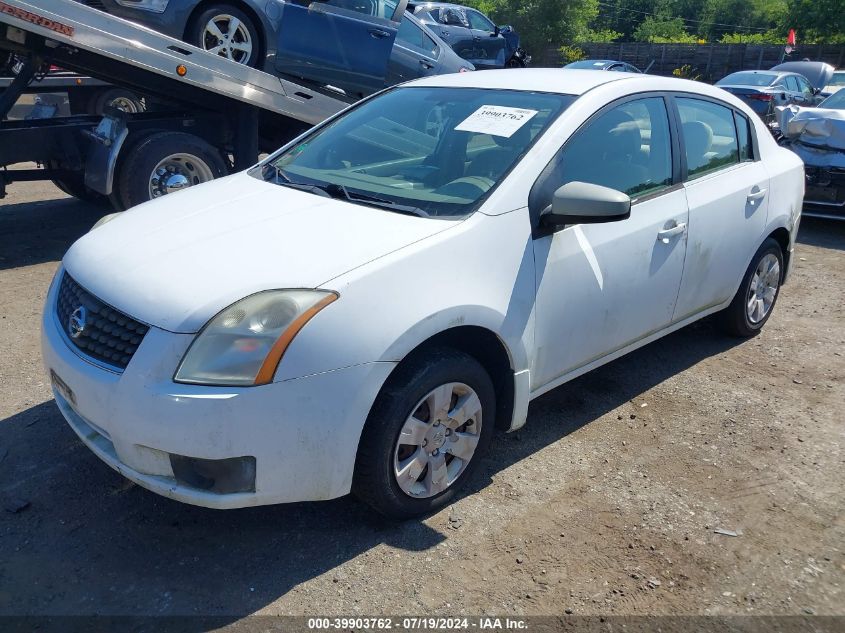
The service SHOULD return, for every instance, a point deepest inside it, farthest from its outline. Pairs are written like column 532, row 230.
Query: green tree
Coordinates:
column 663, row 29
column 821, row 21
column 542, row 23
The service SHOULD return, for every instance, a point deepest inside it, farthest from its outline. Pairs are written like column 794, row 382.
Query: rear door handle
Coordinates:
column 754, row 196
column 379, row 33
column 666, row 234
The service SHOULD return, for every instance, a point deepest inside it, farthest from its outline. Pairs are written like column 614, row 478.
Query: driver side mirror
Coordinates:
column 586, row 203
column 495, row 32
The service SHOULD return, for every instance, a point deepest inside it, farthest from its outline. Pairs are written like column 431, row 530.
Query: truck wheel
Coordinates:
column 163, row 163
column 124, row 100
column 227, row 31
column 76, row 188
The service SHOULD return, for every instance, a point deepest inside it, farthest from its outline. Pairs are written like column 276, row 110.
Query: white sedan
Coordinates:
column 359, row 311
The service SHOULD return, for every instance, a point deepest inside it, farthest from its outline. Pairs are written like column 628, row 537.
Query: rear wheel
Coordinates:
column 163, row 163
column 427, row 431
column 227, row 31
column 755, row 300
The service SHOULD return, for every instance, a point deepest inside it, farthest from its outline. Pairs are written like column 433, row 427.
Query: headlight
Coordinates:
column 155, row 6
column 244, row 343
column 106, row 219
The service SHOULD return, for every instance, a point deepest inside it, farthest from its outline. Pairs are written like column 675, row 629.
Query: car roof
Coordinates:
column 559, row 80
column 570, row 82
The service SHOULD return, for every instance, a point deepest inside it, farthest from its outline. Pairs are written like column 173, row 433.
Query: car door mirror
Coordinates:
column 495, row 32
column 586, row 203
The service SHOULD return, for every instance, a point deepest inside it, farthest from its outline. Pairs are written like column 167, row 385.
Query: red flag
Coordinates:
column 790, row 39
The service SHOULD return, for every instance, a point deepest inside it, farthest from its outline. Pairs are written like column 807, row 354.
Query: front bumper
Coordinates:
column 302, row 433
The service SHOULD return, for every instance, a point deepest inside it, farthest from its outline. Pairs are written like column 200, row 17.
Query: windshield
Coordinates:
column 596, row 64
column 747, row 79
column 836, row 101
column 429, row 151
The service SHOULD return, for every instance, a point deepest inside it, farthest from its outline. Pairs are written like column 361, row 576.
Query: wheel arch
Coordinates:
column 781, row 236
column 488, row 349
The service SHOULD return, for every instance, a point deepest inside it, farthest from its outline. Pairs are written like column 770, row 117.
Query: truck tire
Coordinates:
column 120, row 98
column 162, row 163
column 76, row 188
column 241, row 44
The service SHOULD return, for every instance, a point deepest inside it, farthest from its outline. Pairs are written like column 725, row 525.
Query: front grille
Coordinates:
column 101, row 333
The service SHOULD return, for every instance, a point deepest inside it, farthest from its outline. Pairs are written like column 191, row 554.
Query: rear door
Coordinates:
column 341, row 43
column 489, row 45
column 727, row 188
column 414, row 53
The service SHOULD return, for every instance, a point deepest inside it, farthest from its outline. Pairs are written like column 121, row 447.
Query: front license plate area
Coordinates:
column 62, row 387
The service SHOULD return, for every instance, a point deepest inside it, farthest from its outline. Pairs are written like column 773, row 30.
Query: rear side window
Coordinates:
column 710, row 139
column 746, row 150
column 412, row 35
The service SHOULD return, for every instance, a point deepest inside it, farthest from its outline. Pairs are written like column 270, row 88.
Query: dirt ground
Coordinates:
column 605, row 503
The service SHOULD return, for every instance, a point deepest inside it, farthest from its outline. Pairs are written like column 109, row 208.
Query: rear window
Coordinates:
column 747, row 79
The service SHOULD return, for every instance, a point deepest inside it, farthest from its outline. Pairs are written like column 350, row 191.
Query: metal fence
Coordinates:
column 710, row 61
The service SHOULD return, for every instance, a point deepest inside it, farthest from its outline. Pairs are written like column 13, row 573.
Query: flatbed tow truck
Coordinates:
column 220, row 114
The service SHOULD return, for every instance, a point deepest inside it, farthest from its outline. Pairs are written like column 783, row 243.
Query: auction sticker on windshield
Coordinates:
column 496, row 120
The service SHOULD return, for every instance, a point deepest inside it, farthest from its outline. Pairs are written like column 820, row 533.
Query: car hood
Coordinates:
column 817, row 135
column 177, row 261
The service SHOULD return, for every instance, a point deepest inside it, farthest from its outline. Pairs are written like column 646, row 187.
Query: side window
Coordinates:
column 410, row 33
column 746, row 149
column 627, row 148
column 709, row 135
column 452, row 17
column 792, row 84
column 479, row 22
column 805, row 87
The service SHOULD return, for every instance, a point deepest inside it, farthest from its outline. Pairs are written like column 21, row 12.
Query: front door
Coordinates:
column 341, row 43
column 602, row 287
column 727, row 189
column 489, row 44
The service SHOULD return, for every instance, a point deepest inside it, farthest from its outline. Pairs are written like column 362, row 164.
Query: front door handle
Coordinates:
column 378, row 33
column 666, row 234
column 425, row 64
column 754, row 196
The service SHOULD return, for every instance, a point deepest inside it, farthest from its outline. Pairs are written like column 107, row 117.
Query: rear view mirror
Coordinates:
column 586, row 203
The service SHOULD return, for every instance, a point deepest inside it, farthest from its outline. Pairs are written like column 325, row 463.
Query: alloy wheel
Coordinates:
column 227, row 36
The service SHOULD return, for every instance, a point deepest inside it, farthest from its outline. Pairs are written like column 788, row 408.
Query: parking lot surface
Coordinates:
column 607, row 502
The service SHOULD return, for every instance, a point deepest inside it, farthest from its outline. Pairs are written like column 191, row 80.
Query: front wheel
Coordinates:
column 755, row 300
column 514, row 62
column 426, row 433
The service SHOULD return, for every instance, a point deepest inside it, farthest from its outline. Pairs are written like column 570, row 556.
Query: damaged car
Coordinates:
column 817, row 135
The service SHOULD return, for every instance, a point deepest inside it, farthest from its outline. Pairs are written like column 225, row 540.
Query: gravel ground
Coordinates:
column 606, row 503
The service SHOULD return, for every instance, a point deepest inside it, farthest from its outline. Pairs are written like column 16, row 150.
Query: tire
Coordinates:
column 761, row 283
column 121, row 99
column 409, row 391
column 222, row 15
column 76, row 188
column 513, row 62
column 188, row 155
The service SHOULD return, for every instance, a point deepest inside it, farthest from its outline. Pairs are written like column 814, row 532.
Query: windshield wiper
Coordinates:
column 271, row 172
column 339, row 191
column 334, row 190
